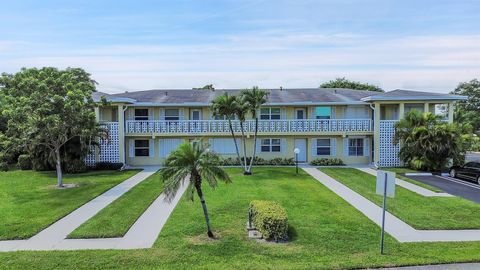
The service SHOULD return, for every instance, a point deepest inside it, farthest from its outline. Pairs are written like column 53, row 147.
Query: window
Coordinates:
column 323, row 112
column 355, row 147
column 270, row 145
column 356, row 112
column 270, row 113
column 389, row 112
column 172, row 115
column 323, row 147
column 141, row 114
column 414, row 106
column 142, row 148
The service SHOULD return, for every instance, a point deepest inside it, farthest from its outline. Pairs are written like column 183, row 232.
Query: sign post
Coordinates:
column 386, row 187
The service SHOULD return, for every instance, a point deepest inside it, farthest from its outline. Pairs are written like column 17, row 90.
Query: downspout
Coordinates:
column 124, row 141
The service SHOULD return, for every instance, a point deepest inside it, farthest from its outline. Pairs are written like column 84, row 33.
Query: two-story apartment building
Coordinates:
column 356, row 126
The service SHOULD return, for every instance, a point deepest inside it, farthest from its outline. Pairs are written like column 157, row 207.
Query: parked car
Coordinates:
column 469, row 171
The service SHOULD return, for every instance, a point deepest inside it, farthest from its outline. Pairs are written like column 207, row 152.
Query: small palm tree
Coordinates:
column 225, row 106
column 254, row 99
column 195, row 162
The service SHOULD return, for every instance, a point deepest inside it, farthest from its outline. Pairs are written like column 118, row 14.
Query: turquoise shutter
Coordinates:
column 333, row 147
column 151, row 146
column 314, row 146
column 345, row 147
column 366, row 147
column 131, row 148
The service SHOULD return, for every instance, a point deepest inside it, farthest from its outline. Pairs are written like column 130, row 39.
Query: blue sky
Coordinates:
column 137, row 45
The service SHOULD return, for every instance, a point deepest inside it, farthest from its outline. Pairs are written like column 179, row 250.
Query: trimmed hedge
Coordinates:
column 270, row 219
column 107, row 166
column 327, row 162
column 24, row 162
column 258, row 161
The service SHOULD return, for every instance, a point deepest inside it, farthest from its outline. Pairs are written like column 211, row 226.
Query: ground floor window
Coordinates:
column 355, row 147
column 142, row 148
column 323, row 147
column 270, row 145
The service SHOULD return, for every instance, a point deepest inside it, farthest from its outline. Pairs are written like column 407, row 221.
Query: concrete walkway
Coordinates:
column 455, row 266
column 398, row 229
column 142, row 234
column 412, row 187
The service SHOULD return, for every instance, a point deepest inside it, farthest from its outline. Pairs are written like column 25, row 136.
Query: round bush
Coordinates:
column 3, row 166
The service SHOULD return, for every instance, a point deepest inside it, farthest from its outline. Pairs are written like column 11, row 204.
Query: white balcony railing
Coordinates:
column 221, row 126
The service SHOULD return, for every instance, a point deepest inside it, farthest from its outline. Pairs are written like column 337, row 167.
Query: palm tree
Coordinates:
column 241, row 110
column 254, row 99
column 225, row 106
column 428, row 143
column 195, row 161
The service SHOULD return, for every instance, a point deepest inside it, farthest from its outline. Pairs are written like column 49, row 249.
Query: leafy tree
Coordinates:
column 225, row 106
column 206, row 87
column 345, row 83
column 197, row 163
column 48, row 107
column 254, row 99
column 466, row 111
column 430, row 144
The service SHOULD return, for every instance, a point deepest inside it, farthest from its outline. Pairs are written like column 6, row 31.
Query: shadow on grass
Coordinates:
column 292, row 234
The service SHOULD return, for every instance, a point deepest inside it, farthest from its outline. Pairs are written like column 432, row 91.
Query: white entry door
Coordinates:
column 302, row 145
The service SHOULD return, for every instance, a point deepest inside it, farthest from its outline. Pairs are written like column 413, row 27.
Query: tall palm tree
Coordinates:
column 241, row 110
column 254, row 99
column 192, row 160
column 225, row 106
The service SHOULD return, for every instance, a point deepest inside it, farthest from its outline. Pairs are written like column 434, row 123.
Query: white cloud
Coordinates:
column 271, row 59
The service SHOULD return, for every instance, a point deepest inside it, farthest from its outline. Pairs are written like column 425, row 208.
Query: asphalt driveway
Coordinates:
column 454, row 186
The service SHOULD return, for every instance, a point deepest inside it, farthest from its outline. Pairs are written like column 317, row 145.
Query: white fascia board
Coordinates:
column 407, row 98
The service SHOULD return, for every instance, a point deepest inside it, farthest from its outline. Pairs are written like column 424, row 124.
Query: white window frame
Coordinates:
column 170, row 116
column 356, row 147
column 324, row 146
column 192, row 111
column 141, row 148
column 270, row 114
column 140, row 117
column 270, row 145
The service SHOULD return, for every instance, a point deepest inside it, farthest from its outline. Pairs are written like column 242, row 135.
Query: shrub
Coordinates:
column 327, row 162
column 270, row 219
column 259, row 161
column 74, row 166
column 24, row 162
column 107, row 166
column 3, row 166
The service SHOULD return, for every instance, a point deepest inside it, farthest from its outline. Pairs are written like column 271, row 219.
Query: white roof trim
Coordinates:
column 406, row 98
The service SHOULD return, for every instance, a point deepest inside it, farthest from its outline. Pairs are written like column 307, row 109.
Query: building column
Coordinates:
column 451, row 109
column 401, row 111
column 121, row 134
column 376, row 133
column 426, row 107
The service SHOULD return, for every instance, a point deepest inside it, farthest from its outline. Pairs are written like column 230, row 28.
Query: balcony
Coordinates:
column 264, row 126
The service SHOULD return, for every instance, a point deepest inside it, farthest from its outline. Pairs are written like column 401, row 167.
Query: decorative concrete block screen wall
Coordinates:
column 109, row 149
column 388, row 150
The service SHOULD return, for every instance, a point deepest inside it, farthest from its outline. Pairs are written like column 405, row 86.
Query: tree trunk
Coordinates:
column 249, row 170
column 235, row 141
column 58, row 166
column 245, row 172
column 205, row 211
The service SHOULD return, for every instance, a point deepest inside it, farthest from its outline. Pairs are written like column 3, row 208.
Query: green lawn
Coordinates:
column 115, row 219
column 29, row 201
column 427, row 213
column 406, row 170
column 325, row 232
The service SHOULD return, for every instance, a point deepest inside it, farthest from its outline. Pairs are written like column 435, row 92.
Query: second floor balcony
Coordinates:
column 264, row 126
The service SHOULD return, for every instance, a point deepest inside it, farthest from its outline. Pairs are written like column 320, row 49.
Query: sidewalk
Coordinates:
column 457, row 266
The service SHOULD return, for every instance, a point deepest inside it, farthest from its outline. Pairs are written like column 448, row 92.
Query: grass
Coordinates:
column 399, row 171
column 29, row 202
column 325, row 233
column 117, row 218
column 426, row 213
